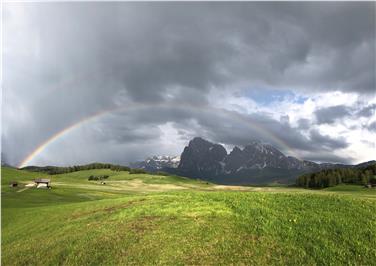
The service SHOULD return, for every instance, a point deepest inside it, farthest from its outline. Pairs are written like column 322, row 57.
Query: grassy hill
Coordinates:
column 146, row 219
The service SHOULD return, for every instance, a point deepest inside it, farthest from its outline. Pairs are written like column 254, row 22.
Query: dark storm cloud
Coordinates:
column 328, row 157
column 304, row 123
column 367, row 111
column 218, row 125
column 372, row 126
column 327, row 142
column 330, row 114
column 147, row 47
column 66, row 61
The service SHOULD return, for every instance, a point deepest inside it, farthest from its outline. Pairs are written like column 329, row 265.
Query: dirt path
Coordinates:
column 23, row 189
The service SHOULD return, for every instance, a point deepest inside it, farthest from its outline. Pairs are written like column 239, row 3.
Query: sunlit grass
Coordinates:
column 197, row 224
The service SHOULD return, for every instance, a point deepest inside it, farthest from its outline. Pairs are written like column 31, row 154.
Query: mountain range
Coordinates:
column 157, row 163
column 256, row 163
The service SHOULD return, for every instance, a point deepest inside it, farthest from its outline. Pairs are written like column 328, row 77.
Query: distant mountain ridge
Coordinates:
column 256, row 163
column 157, row 163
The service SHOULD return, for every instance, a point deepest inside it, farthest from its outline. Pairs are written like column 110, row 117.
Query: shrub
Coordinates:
column 119, row 168
column 99, row 177
column 161, row 173
column 137, row 171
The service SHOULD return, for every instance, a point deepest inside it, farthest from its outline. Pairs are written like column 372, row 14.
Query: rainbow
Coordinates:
column 235, row 116
column 54, row 137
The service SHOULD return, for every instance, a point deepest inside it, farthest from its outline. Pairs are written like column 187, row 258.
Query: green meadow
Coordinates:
column 142, row 219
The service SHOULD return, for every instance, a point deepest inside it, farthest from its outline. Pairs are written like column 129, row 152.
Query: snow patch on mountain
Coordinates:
column 157, row 163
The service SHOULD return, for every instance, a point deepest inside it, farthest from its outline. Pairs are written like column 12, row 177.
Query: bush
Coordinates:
column 119, row 168
column 96, row 178
column 137, row 171
column 161, row 173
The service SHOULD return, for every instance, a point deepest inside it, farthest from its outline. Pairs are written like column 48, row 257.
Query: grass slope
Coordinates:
column 143, row 219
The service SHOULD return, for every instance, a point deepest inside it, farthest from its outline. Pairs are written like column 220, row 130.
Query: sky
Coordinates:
column 118, row 82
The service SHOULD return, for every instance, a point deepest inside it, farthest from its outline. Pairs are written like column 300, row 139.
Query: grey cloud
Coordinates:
column 329, row 157
column 150, row 46
column 67, row 61
column 329, row 115
column 139, row 127
column 327, row 142
column 367, row 111
column 372, row 126
column 229, row 127
column 304, row 123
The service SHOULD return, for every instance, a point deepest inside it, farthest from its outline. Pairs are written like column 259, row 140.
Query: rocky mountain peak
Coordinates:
column 236, row 150
column 200, row 144
column 201, row 157
column 257, row 162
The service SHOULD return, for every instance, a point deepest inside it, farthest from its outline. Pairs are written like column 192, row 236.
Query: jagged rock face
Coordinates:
column 235, row 160
column 202, row 157
column 256, row 163
column 258, row 156
column 263, row 155
column 294, row 163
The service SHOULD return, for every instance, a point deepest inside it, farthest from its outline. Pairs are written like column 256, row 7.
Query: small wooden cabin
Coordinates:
column 42, row 183
column 13, row 184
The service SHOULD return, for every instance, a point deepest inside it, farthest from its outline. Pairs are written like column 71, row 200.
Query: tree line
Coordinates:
column 97, row 177
column 54, row 170
column 332, row 177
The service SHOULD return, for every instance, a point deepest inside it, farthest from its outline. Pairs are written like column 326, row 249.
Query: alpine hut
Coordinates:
column 42, row 183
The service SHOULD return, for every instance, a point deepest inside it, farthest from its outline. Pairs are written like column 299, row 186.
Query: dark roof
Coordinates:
column 42, row 180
